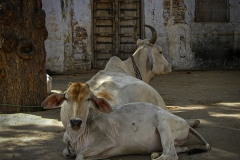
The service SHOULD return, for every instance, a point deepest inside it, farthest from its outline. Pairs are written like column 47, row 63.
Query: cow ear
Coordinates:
column 101, row 104
column 150, row 60
column 53, row 101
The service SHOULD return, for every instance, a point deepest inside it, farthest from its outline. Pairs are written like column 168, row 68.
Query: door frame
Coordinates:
column 141, row 19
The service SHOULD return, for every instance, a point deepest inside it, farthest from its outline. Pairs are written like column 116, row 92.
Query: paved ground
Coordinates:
column 211, row 96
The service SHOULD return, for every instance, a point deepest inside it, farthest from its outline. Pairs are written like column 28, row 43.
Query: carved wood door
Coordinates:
column 113, row 22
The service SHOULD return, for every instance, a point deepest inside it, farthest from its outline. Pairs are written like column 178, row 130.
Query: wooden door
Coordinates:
column 113, row 22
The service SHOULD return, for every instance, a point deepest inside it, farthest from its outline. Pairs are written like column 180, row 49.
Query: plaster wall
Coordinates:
column 54, row 44
column 215, row 45
column 186, row 44
column 69, row 30
column 194, row 45
column 81, row 24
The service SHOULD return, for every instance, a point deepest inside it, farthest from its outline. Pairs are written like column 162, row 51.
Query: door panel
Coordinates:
column 104, row 26
column 104, row 43
column 103, row 9
column 113, row 25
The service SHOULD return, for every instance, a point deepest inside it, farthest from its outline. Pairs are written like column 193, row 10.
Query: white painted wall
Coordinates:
column 176, row 51
column 82, row 15
column 178, row 40
column 54, row 45
column 62, row 19
column 67, row 52
column 153, row 16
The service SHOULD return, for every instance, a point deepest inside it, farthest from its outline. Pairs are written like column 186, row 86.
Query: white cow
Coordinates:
column 134, row 128
column 123, row 82
column 118, row 84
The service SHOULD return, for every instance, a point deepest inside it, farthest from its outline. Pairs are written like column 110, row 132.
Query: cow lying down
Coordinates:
column 134, row 128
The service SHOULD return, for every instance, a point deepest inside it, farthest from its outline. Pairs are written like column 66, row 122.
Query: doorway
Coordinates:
column 113, row 22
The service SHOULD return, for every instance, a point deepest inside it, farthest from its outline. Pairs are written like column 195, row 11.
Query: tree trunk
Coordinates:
column 22, row 55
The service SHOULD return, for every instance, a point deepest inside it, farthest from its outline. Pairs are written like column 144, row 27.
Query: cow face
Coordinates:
column 76, row 102
column 79, row 99
column 157, row 62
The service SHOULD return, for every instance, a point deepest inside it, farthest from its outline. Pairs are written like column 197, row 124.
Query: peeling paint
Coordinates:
column 187, row 44
column 179, row 46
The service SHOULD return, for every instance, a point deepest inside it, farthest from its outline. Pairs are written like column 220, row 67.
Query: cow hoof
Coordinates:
column 158, row 156
column 167, row 157
column 155, row 155
column 68, row 155
column 181, row 149
column 193, row 122
column 197, row 122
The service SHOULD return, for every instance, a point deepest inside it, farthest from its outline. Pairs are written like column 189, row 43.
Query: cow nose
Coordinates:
column 76, row 122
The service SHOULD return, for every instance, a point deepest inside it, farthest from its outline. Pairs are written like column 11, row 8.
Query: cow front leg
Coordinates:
column 69, row 151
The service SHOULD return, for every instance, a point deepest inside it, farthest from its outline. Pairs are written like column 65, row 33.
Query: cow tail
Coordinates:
column 199, row 150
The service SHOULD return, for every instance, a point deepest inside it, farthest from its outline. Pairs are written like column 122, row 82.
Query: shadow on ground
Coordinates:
column 211, row 96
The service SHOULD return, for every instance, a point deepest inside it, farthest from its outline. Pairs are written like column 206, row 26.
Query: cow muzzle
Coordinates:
column 75, row 123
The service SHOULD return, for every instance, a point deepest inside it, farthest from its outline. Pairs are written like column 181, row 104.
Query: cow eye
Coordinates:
column 160, row 52
column 88, row 99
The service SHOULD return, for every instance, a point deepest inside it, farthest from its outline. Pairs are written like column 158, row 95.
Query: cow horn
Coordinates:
column 154, row 34
column 134, row 35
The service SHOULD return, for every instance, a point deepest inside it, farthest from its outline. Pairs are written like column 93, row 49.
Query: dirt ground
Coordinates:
column 213, row 97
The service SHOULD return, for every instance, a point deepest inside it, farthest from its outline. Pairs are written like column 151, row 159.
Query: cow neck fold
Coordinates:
column 137, row 72
column 74, row 135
